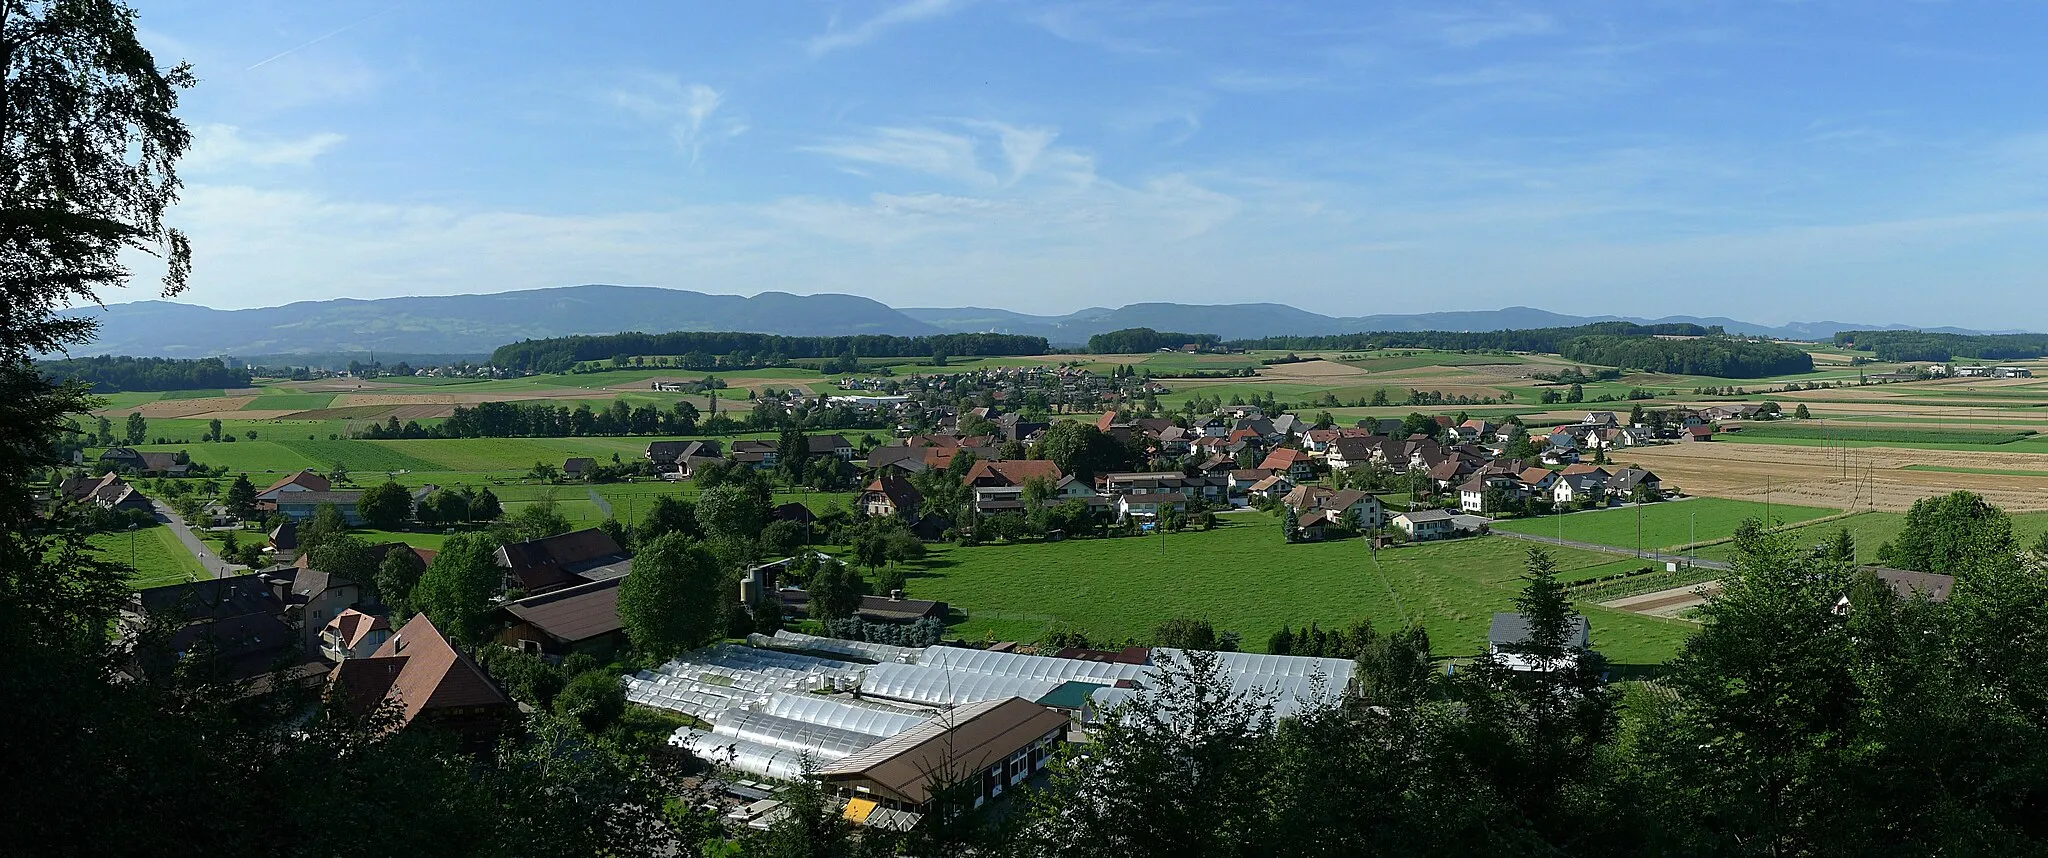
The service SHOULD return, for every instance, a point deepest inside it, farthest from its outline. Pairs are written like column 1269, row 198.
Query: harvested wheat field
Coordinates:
column 1866, row 478
column 212, row 406
column 1310, row 369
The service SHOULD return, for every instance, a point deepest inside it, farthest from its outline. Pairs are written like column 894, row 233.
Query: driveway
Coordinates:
column 215, row 566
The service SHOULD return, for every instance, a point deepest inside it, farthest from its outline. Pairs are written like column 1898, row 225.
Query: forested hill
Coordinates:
column 709, row 350
column 109, row 374
column 1720, row 357
column 1933, row 346
column 1546, row 340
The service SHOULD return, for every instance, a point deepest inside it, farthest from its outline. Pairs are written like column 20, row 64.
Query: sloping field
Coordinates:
column 193, row 407
column 1311, row 370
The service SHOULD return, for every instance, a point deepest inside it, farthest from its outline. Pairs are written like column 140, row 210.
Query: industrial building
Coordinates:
column 880, row 722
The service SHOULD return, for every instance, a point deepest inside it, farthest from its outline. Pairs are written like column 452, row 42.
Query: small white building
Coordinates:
column 1426, row 524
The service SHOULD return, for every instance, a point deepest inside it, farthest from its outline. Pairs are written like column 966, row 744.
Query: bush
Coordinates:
column 595, row 699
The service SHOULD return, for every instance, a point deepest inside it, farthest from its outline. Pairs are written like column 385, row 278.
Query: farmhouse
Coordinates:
column 1296, row 464
column 1633, row 483
column 353, row 634
column 107, row 491
column 578, row 618
column 835, row 446
column 578, row 467
column 428, row 682
column 670, row 455
column 890, row 494
column 153, row 463
column 302, row 506
column 551, row 563
column 1509, row 633
column 1350, row 508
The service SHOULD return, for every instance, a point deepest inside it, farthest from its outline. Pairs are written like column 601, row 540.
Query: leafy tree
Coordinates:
column 397, row 575
column 385, row 507
column 617, row 531
column 595, row 699
column 1954, row 534
column 213, row 429
column 1081, row 450
column 793, row 452
column 541, row 519
column 781, row 538
column 1801, row 413
column 670, row 514
column 1178, row 773
column 1577, row 393
column 457, row 589
column 138, row 428
column 671, row 601
column 1183, row 633
column 241, row 498
column 347, row 556
column 732, row 512
column 485, row 507
column 835, row 590
column 328, row 523
column 337, row 474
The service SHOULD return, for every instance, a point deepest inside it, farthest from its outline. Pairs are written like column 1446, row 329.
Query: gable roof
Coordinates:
column 418, row 669
column 353, row 626
column 1422, row 515
column 1012, row 472
column 1510, row 629
column 572, row 614
column 900, row 493
column 304, row 479
column 951, row 746
column 1283, row 459
column 550, row 562
column 578, row 464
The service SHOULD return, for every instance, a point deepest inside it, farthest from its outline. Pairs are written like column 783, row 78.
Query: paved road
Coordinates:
column 1609, row 549
column 213, row 564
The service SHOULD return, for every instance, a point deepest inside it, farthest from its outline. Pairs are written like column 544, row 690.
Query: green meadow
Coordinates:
column 1243, row 578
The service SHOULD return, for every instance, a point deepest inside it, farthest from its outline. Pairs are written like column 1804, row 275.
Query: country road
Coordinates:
column 1609, row 549
column 212, row 563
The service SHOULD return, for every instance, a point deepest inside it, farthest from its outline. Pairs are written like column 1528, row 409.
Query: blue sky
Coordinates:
column 1865, row 161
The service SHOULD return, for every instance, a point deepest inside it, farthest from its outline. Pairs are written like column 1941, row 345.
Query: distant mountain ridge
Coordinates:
column 477, row 324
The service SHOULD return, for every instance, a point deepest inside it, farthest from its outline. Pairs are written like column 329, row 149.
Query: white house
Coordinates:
column 1426, row 524
column 1508, row 631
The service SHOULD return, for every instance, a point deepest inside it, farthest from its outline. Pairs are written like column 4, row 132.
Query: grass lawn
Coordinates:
column 1872, row 529
column 1244, row 579
column 1664, row 525
column 157, row 555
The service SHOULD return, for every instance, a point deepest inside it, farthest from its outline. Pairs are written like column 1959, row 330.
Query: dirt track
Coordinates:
column 1866, row 478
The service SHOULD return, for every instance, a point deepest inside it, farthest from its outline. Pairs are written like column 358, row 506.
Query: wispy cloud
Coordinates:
column 904, row 12
column 956, row 155
column 217, row 146
column 685, row 109
column 1470, row 29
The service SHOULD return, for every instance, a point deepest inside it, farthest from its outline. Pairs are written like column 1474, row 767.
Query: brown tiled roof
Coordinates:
column 305, row 479
column 353, row 626
column 952, row 746
column 1013, row 472
column 572, row 614
column 419, row 670
column 543, row 564
column 1283, row 459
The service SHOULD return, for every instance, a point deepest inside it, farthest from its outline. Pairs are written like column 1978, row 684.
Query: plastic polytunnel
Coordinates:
column 742, row 755
column 941, row 687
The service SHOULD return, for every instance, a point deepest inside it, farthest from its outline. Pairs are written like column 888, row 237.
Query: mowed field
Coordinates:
column 156, row 554
column 1663, row 525
column 1243, row 578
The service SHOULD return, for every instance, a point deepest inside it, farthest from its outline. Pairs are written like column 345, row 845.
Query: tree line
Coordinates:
column 1546, row 340
column 1923, row 345
column 1720, row 357
column 115, row 374
column 558, row 354
column 1136, row 340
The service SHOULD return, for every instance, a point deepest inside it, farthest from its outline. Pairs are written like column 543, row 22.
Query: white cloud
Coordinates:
column 905, row 12
column 217, row 147
column 1026, row 151
column 685, row 110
